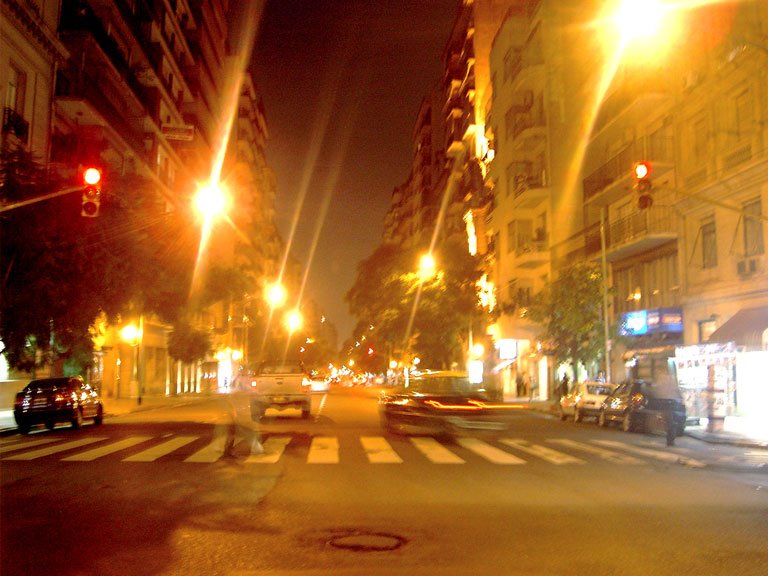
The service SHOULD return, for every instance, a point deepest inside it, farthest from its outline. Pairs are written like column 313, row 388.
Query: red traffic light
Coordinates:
column 642, row 170
column 92, row 176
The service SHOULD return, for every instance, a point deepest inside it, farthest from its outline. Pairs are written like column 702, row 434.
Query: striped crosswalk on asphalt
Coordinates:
column 328, row 449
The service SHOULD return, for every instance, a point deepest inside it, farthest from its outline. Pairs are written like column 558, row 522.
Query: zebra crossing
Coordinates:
column 330, row 450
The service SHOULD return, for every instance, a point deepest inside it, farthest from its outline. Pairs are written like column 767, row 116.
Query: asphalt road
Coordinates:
column 150, row 493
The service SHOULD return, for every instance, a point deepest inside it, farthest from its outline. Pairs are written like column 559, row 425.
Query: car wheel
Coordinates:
column 563, row 417
column 601, row 419
column 99, row 418
column 628, row 423
column 577, row 417
column 77, row 418
column 23, row 428
column 389, row 426
column 305, row 412
column 50, row 424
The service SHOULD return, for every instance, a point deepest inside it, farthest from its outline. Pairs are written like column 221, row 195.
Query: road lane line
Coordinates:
column 435, row 452
column 210, row 453
column 548, row 454
column 155, row 452
column 670, row 457
column 602, row 452
column 273, row 451
column 379, row 450
column 93, row 454
column 324, row 450
column 22, row 444
column 31, row 455
column 490, row 453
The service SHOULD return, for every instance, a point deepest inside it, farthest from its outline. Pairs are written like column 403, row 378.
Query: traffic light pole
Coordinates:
column 23, row 203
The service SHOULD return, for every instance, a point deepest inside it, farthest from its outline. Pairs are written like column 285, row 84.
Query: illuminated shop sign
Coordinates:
column 655, row 321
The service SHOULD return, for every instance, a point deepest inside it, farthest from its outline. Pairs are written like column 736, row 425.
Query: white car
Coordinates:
column 585, row 399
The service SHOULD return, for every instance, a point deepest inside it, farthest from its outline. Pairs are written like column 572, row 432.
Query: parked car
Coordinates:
column 644, row 406
column 52, row 400
column 442, row 402
column 585, row 399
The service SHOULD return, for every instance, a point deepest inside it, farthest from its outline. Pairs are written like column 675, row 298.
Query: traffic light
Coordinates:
column 643, row 185
column 91, row 199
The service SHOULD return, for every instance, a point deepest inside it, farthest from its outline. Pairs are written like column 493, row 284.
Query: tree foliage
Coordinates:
column 61, row 271
column 188, row 344
column 428, row 317
column 570, row 311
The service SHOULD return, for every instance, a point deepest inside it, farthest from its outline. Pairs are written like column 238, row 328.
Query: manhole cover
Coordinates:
column 367, row 541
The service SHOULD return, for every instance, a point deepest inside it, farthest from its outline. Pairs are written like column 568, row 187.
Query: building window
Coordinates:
column 753, row 228
column 708, row 244
column 510, row 237
column 700, row 138
column 706, row 327
column 742, row 110
column 14, row 93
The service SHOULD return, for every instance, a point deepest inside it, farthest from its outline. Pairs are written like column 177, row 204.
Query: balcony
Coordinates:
column 615, row 179
column 532, row 253
column 640, row 232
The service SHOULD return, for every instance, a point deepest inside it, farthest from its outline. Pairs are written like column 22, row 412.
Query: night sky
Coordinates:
column 342, row 81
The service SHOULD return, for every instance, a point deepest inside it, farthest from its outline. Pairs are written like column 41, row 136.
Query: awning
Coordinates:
column 746, row 328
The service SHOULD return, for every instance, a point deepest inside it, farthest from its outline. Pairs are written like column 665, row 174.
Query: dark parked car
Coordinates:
column 644, row 406
column 439, row 402
column 51, row 400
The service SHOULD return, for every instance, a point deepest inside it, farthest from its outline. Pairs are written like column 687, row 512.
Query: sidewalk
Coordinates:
column 736, row 432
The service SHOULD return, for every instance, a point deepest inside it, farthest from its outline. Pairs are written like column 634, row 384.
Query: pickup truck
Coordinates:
column 280, row 386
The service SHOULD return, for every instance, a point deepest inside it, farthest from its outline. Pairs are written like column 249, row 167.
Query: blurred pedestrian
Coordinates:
column 564, row 385
column 238, row 424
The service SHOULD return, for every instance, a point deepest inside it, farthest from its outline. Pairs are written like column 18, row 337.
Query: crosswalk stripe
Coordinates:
column 552, row 456
column 671, row 457
column 490, row 453
column 155, row 452
column 54, row 449
column 23, row 444
column 273, row 450
column 379, row 451
column 434, row 451
column 210, row 453
column 93, row 454
column 602, row 452
column 323, row 450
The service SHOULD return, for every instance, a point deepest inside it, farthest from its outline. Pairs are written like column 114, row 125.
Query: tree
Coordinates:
column 570, row 311
column 187, row 344
column 60, row 271
column 412, row 314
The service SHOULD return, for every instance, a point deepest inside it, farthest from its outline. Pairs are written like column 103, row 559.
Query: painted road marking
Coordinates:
column 670, row 457
column 602, row 452
column 548, row 454
column 379, row 451
column 435, row 452
column 324, row 450
column 273, row 450
column 155, row 452
column 54, row 449
column 93, row 454
column 490, row 453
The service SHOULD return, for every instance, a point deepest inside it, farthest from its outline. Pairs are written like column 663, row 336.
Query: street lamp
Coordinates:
column 134, row 335
column 275, row 295
column 293, row 320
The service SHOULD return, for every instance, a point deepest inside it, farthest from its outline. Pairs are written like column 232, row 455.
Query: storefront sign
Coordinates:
column 654, row 321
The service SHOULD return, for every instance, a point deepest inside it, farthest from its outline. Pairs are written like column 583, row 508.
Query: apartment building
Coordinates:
column 147, row 90
column 686, row 272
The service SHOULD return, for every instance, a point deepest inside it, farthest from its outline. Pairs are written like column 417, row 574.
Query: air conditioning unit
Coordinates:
column 746, row 267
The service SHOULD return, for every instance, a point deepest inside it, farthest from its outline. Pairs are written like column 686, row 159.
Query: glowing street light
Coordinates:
column 275, row 295
column 636, row 19
column 211, row 201
column 427, row 266
column 293, row 320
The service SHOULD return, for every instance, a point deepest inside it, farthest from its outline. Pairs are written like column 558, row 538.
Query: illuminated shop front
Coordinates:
column 652, row 336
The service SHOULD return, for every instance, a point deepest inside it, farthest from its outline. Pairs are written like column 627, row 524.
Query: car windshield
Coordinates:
column 442, row 385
